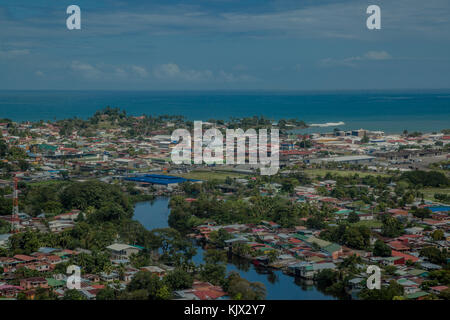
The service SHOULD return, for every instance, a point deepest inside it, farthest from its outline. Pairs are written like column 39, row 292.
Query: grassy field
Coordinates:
column 429, row 192
column 323, row 172
column 211, row 175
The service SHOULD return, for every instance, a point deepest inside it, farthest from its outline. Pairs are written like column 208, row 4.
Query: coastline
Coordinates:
column 389, row 111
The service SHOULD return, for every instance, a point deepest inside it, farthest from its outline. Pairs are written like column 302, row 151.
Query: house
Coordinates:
column 309, row 270
column 333, row 250
column 122, row 251
column 4, row 240
column 438, row 289
column 398, row 246
column 9, row 291
column 207, row 291
column 57, row 226
column 390, row 261
column 22, row 258
column 35, row 282
column 154, row 270
column 414, row 230
column 430, row 266
column 109, row 277
column 405, row 256
column 92, row 277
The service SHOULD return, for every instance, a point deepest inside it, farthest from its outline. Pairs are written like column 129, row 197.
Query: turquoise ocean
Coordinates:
column 389, row 111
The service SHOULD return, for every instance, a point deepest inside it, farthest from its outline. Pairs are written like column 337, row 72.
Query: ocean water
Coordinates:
column 390, row 111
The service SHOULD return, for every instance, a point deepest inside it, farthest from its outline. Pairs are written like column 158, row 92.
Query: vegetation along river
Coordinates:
column 279, row 286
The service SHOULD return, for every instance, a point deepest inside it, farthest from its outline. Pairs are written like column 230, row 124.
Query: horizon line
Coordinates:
column 228, row 90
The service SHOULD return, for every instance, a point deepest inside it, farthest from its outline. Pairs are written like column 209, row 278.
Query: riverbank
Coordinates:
column 279, row 286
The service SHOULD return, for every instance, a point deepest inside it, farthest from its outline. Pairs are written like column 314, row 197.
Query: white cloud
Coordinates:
column 86, row 70
column 140, row 71
column 108, row 72
column 171, row 71
column 377, row 55
column 353, row 61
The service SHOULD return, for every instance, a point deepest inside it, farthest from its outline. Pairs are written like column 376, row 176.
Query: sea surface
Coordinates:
column 279, row 286
column 389, row 111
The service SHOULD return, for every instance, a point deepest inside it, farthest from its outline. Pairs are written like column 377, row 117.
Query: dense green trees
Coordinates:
column 96, row 262
column 73, row 295
column 218, row 238
column 381, row 249
column 426, row 178
column 385, row 293
column 421, row 213
column 357, row 237
column 391, row 227
column 332, row 282
column 241, row 289
column 82, row 195
column 107, row 293
column 442, row 197
column 434, row 255
column 353, row 217
column 438, row 235
column 185, row 215
column 179, row 279
column 146, row 286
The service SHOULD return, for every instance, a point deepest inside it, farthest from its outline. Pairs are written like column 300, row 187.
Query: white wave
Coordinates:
column 328, row 124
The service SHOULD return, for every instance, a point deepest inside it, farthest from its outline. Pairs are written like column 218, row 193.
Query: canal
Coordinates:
column 155, row 214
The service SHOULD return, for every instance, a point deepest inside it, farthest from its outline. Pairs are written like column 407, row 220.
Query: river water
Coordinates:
column 154, row 215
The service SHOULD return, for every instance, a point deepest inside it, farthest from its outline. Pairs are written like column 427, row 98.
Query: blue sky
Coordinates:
column 224, row 44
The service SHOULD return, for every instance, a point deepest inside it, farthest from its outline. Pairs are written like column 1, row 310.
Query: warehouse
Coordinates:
column 344, row 159
column 158, row 179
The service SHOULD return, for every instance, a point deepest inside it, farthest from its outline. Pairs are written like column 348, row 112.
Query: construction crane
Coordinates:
column 15, row 207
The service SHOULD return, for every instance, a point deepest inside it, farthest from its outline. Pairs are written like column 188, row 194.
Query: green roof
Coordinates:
column 343, row 211
column 321, row 243
column 301, row 237
column 47, row 147
column 55, row 283
column 416, row 272
column 332, row 248
column 416, row 295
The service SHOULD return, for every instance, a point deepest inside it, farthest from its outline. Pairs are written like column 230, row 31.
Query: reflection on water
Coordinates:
column 279, row 286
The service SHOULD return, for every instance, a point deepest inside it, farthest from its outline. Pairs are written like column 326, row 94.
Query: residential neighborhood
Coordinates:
column 342, row 201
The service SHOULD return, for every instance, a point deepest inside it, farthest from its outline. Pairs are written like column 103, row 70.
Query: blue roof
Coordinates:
column 440, row 209
column 46, row 250
column 159, row 179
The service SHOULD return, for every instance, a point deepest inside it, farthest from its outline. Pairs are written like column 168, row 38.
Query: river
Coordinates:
column 154, row 215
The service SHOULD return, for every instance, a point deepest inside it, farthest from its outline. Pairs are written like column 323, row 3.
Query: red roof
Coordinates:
column 404, row 255
column 399, row 212
column 23, row 257
column 98, row 286
column 397, row 245
column 439, row 288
